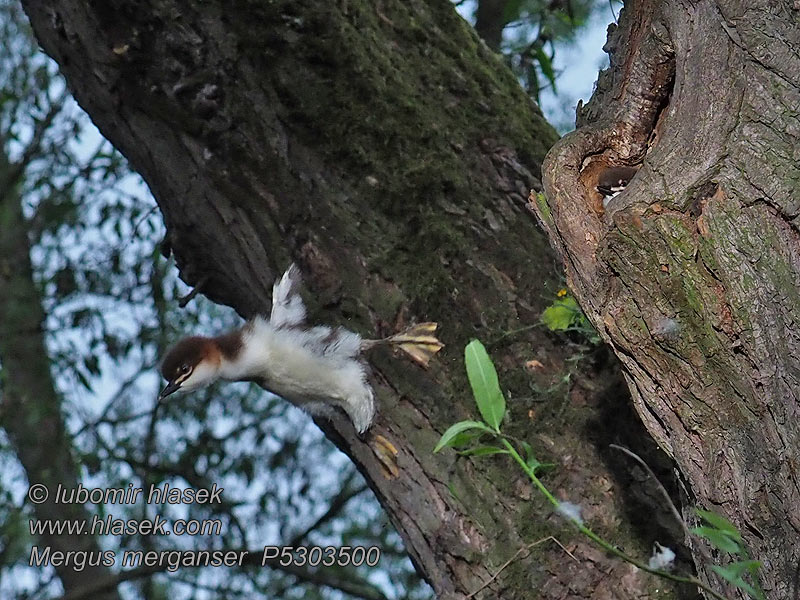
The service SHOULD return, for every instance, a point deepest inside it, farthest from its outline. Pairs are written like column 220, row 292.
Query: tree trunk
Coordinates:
column 692, row 273
column 30, row 406
column 490, row 21
column 388, row 152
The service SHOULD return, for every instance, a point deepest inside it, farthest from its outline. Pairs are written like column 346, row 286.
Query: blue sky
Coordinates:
column 577, row 64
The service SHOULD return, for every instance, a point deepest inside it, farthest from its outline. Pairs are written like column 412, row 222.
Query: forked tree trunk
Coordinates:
column 693, row 273
column 383, row 148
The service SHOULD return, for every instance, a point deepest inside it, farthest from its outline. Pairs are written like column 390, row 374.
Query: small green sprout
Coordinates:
column 565, row 315
column 485, row 438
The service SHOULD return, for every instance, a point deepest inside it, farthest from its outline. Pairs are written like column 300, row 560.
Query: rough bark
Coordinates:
column 388, row 152
column 692, row 273
column 30, row 406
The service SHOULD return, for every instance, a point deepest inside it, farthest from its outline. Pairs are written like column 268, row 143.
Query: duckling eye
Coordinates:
column 185, row 369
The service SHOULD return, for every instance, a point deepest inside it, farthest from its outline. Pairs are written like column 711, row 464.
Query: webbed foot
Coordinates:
column 418, row 342
column 386, row 454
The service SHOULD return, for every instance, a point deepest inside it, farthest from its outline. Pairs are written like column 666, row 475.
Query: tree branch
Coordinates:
column 13, row 174
column 337, row 503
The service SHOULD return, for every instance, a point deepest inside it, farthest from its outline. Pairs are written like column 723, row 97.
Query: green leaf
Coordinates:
column 83, row 380
column 452, row 431
column 465, row 437
column 533, row 463
column 719, row 522
column 92, row 364
column 546, row 65
column 733, row 574
column 485, row 387
column 557, row 317
column 543, row 467
column 544, row 208
column 528, row 452
column 561, row 314
column 719, row 539
column 744, row 566
column 452, row 489
column 530, row 459
column 483, row 451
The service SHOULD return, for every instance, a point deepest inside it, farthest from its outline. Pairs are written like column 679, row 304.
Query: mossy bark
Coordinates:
column 692, row 273
column 384, row 149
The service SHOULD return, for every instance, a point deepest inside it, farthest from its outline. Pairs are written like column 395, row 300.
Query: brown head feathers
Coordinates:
column 185, row 355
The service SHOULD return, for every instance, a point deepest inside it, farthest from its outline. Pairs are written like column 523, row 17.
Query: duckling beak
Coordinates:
column 171, row 388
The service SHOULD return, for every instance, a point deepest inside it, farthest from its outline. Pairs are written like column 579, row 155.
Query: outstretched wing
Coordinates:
column 288, row 309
